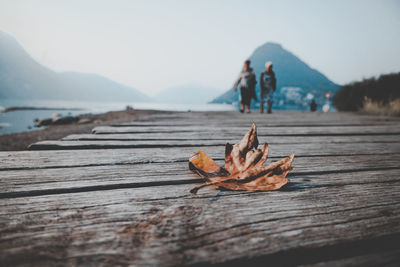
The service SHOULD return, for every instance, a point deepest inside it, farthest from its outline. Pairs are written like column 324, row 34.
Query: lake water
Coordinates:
column 23, row 120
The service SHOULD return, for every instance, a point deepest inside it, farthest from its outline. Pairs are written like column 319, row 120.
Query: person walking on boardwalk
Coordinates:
column 267, row 87
column 247, row 81
column 313, row 106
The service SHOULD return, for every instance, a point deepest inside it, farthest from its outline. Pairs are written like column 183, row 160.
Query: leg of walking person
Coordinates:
column 248, row 98
column 242, row 99
column 270, row 100
column 262, row 100
column 245, row 100
column 269, row 107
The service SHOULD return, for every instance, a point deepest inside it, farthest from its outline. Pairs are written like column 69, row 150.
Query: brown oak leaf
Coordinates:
column 244, row 167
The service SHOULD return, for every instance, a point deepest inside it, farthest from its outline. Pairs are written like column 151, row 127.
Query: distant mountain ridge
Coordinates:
column 290, row 72
column 21, row 77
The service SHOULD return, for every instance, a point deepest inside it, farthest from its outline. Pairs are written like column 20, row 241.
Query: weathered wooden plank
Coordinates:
column 131, row 143
column 65, row 158
column 263, row 131
column 245, row 123
column 302, row 149
column 370, row 179
column 106, row 177
column 199, row 138
column 278, row 116
column 275, row 120
column 141, row 227
column 133, row 207
column 262, row 122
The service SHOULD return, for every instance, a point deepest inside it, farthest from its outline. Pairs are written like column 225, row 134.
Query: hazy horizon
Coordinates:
column 155, row 45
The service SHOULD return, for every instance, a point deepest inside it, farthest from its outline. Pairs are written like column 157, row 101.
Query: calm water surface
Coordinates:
column 23, row 120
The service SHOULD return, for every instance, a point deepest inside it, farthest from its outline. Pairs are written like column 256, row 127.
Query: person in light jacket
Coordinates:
column 247, row 82
column 267, row 87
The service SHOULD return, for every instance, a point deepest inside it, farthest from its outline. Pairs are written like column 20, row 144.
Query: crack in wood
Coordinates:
column 176, row 161
column 288, row 188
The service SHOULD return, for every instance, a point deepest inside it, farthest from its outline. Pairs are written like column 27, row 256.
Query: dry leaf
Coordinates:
column 244, row 167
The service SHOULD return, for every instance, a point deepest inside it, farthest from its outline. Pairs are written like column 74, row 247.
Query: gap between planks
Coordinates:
column 114, row 186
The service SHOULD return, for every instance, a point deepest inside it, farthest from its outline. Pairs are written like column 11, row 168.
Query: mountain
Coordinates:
column 190, row 93
column 290, row 72
column 21, row 77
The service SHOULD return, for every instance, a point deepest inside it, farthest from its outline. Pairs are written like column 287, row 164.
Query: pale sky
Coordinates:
column 152, row 45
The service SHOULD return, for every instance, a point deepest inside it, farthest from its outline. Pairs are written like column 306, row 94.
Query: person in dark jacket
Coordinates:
column 267, row 87
column 247, row 82
column 313, row 106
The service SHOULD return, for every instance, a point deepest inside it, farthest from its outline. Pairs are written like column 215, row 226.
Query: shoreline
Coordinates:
column 20, row 141
column 21, row 117
column 10, row 109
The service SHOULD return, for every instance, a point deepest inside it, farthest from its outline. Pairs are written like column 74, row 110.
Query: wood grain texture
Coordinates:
column 278, row 117
column 22, row 182
column 167, row 226
column 120, row 196
column 299, row 149
column 70, row 158
column 222, row 138
column 263, row 131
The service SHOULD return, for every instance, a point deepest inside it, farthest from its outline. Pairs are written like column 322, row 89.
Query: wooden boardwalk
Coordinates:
column 120, row 196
